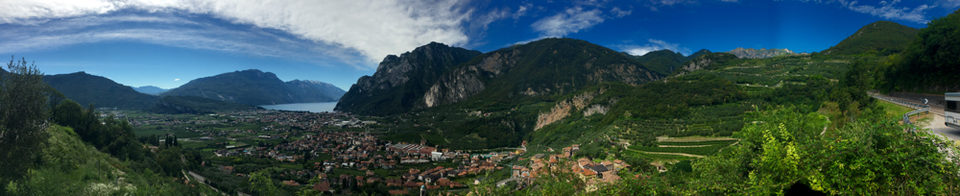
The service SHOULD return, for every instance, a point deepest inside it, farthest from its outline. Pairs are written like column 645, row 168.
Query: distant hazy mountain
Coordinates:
column 666, row 61
column 883, row 37
column 251, row 87
column 85, row 89
column 326, row 89
column 401, row 81
column 195, row 105
column 751, row 53
column 153, row 90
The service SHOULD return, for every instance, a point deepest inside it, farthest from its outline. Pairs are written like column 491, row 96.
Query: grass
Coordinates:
column 894, row 109
column 323, row 157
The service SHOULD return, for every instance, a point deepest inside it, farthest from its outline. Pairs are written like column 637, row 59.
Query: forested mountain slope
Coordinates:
column 86, row 89
column 882, row 37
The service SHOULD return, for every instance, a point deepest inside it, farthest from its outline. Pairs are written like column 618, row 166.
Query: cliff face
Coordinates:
column 463, row 82
column 540, row 69
column 549, row 67
column 400, row 81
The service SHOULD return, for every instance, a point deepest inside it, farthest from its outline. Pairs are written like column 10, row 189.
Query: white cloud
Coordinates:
column 654, row 45
column 950, row 4
column 178, row 79
column 572, row 20
column 888, row 10
column 620, row 13
column 520, row 12
column 371, row 28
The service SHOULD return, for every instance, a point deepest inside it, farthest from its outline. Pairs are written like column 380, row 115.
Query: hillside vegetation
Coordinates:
column 666, row 62
column 881, row 37
column 71, row 167
column 83, row 156
column 930, row 62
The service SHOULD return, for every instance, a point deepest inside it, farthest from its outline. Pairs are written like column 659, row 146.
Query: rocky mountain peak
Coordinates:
column 761, row 53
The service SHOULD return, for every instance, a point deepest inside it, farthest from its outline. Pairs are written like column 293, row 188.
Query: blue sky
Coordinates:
column 167, row 43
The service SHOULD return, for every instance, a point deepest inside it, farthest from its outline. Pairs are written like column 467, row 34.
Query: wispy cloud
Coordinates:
column 950, row 4
column 654, row 45
column 889, row 10
column 571, row 20
column 368, row 28
column 166, row 31
column 177, row 79
column 620, row 13
column 655, row 5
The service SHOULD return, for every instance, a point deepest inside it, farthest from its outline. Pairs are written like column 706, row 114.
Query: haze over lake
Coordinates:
column 311, row 107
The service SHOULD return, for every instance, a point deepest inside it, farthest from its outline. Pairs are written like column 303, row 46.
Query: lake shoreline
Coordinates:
column 318, row 107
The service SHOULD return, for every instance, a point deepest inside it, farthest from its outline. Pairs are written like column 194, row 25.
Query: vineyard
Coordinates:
column 670, row 150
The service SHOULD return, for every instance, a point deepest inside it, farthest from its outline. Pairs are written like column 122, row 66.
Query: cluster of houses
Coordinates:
column 587, row 169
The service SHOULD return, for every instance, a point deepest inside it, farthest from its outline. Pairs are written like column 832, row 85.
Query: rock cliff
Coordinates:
column 401, row 81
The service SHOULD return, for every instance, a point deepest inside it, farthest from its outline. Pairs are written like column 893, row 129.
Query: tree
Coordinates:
column 261, row 182
column 23, row 115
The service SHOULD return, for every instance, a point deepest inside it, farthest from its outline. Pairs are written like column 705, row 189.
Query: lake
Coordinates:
column 311, row 107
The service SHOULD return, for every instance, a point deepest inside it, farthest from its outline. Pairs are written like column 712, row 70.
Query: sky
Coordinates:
column 167, row 43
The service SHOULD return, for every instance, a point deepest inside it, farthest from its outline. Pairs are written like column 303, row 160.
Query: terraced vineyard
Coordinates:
column 671, row 149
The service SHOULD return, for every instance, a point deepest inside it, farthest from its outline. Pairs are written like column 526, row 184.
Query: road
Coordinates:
column 936, row 126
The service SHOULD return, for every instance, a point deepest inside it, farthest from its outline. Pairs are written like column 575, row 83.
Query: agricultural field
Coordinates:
column 683, row 148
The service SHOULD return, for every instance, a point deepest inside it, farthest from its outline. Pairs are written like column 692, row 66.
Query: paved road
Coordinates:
column 938, row 128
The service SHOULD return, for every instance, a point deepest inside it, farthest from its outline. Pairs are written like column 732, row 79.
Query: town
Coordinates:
column 332, row 152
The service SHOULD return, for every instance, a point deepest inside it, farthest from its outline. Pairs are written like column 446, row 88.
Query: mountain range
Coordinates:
column 152, row 90
column 751, row 53
column 251, row 87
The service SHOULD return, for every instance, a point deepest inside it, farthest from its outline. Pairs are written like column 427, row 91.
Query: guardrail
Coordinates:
column 918, row 108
